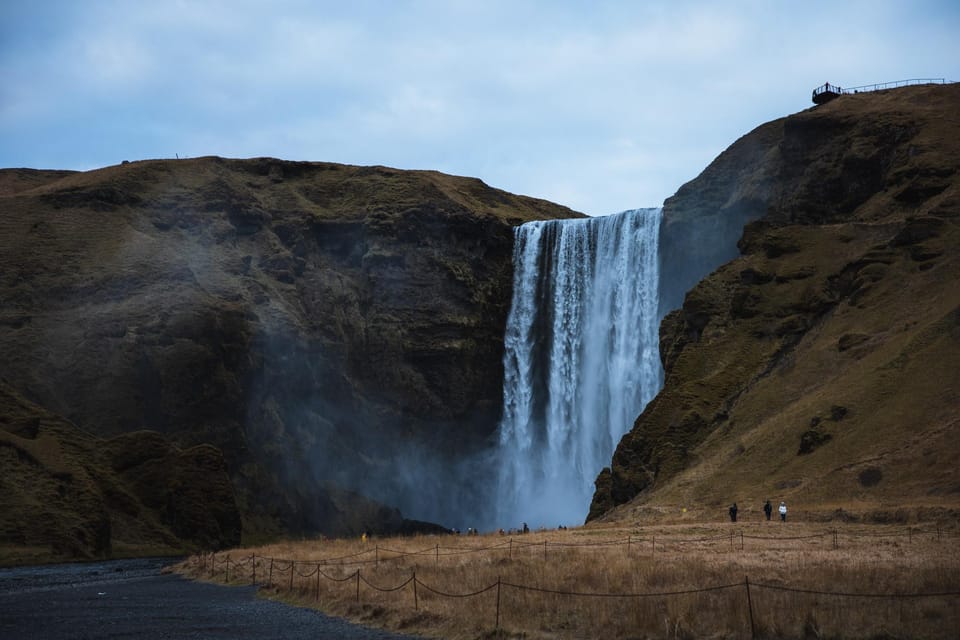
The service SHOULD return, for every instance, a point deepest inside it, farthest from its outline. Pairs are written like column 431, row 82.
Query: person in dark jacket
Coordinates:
column 733, row 512
column 767, row 509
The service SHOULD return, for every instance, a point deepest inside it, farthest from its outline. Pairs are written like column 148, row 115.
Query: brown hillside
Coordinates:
column 332, row 329
column 65, row 493
column 820, row 366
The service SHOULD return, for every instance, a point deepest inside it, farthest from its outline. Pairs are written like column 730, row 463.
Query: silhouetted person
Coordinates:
column 767, row 509
column 526, row 529
column 733, row 512
column 783, row 512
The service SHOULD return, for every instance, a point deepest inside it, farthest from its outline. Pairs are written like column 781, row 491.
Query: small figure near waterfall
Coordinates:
column 767, row 509
column 733, row 512
column 783, row 511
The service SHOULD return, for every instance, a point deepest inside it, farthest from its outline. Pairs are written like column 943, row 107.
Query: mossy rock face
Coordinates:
column 794, row 276
column 200, row 500
column 838, row 413
column 917, row 230
column 136, row 448
column 870, row 477
column 190, row 490
column 850, row 340
column 812, row 440
column 753, row 276
column 79, row 496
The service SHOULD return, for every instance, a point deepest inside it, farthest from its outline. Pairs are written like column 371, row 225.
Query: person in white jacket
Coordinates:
column 783, row 512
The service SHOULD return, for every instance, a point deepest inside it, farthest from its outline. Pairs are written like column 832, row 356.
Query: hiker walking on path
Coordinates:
column 767, row 509
column 733, row 512
column 783, row 512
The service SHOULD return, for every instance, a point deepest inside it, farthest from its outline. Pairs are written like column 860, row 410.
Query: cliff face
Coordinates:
column 334, row 330
column 820, row 365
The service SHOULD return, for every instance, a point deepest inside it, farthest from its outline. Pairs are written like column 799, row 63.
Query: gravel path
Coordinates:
column 130, row 599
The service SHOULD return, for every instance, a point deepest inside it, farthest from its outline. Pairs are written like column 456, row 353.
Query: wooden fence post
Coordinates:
column 253, row 575
column 416, row 602
column 270, row 579
column 753, row 628
column 292, row 564
column 498, row 603
column 318, row 582
column 358, row 585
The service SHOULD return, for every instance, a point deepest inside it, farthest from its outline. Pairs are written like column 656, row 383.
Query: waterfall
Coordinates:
column 581, row 359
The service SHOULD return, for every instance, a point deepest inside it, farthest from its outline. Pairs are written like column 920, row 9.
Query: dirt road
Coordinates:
column 131, row 599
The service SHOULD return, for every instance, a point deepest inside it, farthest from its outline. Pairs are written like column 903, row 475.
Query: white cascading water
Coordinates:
column 581, row 359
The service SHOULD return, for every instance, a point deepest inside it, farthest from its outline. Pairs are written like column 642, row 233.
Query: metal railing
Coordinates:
column 880, row 86
column 893, row 85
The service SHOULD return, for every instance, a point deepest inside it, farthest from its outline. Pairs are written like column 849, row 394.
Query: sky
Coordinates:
column 600, row 106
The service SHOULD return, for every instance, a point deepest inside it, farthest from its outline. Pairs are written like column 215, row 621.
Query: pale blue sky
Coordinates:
column 601, row 106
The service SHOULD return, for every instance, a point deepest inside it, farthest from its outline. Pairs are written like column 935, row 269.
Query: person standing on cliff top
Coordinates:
column 767, row 509
column 733, row 512
column 783, row 511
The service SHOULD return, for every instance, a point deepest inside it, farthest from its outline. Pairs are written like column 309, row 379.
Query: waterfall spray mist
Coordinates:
column 581, row 359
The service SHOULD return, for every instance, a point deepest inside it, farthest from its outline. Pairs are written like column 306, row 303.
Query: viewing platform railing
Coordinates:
column 827, row 92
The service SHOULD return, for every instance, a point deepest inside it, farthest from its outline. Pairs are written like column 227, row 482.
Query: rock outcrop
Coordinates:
column 829, row 348
column 335, row 331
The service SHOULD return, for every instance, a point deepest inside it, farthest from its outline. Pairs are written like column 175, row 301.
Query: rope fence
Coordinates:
column 279, row 572
column 657, row 543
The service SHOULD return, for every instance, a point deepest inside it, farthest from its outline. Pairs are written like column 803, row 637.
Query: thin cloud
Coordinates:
column 600, row 106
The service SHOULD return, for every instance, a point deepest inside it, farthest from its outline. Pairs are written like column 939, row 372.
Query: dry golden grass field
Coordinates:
column 710, row 580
